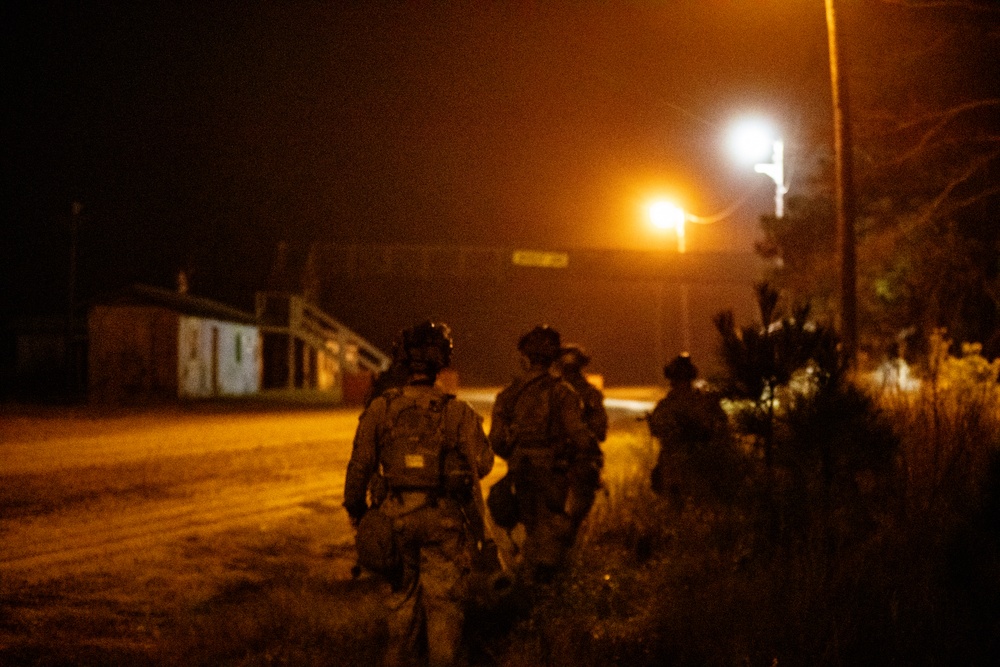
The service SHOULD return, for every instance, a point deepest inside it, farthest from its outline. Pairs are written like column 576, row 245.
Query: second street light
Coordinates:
column 776, row 170
column 751, row 139
column 667, row 215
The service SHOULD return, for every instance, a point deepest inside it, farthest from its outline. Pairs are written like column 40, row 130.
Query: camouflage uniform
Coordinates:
column 690, row 425
column 594, row 414
column 584, row 480
column 430, row 527
column 538, row 428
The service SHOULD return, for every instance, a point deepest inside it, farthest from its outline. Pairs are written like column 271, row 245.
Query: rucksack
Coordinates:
column 531, row 420
column 414, row 446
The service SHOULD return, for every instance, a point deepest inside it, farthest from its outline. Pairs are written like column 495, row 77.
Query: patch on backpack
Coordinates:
column 413, row 441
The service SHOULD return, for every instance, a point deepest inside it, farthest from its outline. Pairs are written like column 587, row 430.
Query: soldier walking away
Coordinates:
column 417, row 460
column 585, row 481
column 538, row 429
column 572, row 361
column 690, row 424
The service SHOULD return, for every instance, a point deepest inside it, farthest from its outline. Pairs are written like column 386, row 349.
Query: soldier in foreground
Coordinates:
column 538, row 429
column 422, row 453
column 584, row 481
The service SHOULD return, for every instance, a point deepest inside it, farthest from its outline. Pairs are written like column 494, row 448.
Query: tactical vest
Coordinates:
column 414, row 446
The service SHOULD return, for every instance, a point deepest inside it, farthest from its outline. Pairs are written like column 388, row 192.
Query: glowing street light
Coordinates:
column 751, row 139
column 776, row 170
column 667, row 215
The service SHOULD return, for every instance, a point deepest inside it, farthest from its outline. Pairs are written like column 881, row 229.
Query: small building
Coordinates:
column 148, row 343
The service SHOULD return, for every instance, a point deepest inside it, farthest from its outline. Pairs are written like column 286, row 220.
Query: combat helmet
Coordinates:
column 681, row 369
column 427, row 346
column 540, row 345
column 573, row 357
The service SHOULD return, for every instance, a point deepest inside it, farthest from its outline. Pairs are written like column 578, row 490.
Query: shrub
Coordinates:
column 823, row 442
column 949, row 427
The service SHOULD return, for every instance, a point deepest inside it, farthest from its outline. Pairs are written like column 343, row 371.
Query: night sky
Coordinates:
column 199, row 134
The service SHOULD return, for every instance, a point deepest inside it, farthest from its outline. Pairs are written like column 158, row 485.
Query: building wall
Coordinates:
column 140, row 353
column 218, row 358
column 132, row 353
column 633, row 311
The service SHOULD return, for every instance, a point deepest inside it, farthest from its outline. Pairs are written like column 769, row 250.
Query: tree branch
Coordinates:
column 969, row 172
column 940, row 120
column 933, row 4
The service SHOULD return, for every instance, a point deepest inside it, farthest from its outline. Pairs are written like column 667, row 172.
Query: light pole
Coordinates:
column 844, row 183
column 667, row 215
column 776, row 170
column 749, row 139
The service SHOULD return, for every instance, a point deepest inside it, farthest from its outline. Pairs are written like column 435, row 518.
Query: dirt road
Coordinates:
column 150, row 538
column 81, row 494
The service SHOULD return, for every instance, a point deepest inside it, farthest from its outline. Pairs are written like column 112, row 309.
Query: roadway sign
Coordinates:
column 541, row 258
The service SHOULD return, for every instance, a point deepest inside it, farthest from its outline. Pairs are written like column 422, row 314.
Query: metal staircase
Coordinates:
column 311, row 334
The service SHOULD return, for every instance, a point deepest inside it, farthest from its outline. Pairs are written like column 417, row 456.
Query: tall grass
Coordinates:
column 902, row 568
column 950, row 427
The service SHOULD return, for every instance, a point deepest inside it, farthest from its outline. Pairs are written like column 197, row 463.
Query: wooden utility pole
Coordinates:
column 844, row 184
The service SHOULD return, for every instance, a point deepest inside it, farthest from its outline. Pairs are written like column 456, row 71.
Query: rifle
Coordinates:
column 490, row 578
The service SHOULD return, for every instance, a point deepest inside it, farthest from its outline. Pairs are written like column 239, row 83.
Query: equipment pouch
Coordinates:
column 490, row 584
column 376, row 544
column 502, row 502
column 556, row 491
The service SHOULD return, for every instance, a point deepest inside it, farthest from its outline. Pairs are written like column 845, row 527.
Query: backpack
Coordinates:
column 414, row 449
column 531, row 420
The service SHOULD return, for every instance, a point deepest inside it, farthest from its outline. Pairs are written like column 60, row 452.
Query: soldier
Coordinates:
column 428, row 450
column 572, row 361
column 585, row 480
column 689, row 424
column 538, row 429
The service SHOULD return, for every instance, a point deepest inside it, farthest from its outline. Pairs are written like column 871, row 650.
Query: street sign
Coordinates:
column 541, row 258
